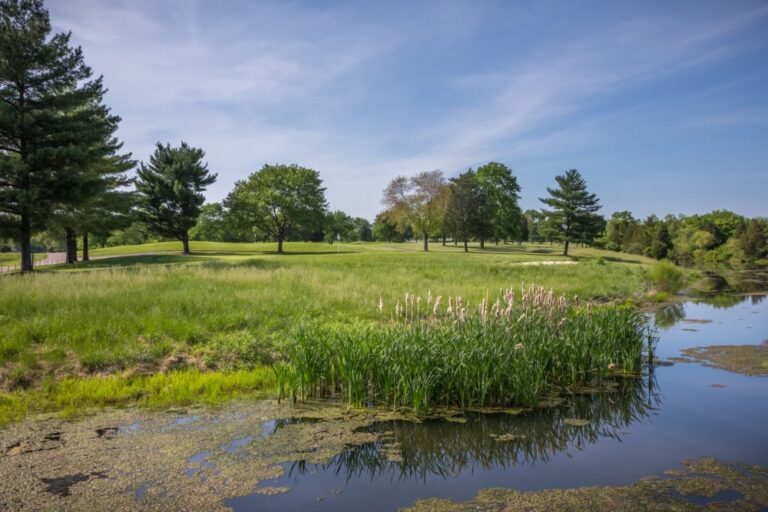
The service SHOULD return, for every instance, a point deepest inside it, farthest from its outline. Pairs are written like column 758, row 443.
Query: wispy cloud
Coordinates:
column 363, row 93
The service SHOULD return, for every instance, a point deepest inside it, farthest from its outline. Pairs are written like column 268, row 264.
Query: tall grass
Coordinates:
column 74, row 395
column 108, row 319
column 436, row 352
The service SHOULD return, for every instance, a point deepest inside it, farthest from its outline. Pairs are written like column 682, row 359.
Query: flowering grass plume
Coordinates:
column 505, row 351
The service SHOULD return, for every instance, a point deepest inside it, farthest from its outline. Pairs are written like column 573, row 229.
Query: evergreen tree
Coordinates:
column 52, row 122
column 171, row 190
column 501, row 193
column 572, row 216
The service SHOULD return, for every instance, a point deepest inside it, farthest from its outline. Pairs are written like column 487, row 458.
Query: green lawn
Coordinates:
column 224, row 306
column 14, row 258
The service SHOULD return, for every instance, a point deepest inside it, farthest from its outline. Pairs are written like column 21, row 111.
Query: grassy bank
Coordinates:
column 224, row 307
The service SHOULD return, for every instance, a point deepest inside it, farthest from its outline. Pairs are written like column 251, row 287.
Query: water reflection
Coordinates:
column 733, row 281
column 490, row 441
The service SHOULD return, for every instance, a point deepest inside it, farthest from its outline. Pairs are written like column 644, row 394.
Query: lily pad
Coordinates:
column 576, row 422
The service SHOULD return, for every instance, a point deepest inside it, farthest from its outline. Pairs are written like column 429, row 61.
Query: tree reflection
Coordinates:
column 446, row 448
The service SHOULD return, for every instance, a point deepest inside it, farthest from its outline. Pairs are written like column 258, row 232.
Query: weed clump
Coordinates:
column 667, row 277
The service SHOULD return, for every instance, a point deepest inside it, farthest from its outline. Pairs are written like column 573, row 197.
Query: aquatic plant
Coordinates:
column 444, row 352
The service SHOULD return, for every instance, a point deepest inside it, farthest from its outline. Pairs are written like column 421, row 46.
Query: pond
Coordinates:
column 264, row 456
column 640, row 427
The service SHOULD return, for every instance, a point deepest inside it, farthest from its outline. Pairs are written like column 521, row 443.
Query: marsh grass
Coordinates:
column 436, row 352
column 99, row 318
column 74, row 396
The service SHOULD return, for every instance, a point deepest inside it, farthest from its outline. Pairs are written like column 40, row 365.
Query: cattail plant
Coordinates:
column 507, row 353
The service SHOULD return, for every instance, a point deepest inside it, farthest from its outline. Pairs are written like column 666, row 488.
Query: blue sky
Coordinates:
column 663, row 106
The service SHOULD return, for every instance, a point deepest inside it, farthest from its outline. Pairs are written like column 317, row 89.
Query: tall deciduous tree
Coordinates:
column 572, row 209
column 466, row 216
column 501, row 193
column 171, row 190
column 52, row 122
column 278, row 198
column 419, row 201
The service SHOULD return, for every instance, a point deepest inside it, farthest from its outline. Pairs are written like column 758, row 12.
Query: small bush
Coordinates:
column 667, row 277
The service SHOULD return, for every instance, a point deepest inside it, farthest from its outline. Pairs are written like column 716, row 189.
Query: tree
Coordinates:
column 572, row 216
column 419, row 201
column 502, row 193
column 278, row 198
column 339, row 224
column 533, row 221
column 619, row 229
column 465, row 211
column 384, row 230
column 216, row 224
column 753, row 238
column 108, row 208
column 363, row 230
column 52, row 122
column 171, row 190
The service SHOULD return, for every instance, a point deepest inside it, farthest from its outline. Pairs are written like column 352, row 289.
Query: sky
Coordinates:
column 662, row 106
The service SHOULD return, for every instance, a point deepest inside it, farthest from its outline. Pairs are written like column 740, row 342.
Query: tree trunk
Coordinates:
column 565, row 251
column 280, row 245
column 26, row 244
column 466, row 245
column 444, row 237
column 71, row 242
column 185, row 242
column 85, row 247
column 455, row 240
column 482, row 243
column 426, row 242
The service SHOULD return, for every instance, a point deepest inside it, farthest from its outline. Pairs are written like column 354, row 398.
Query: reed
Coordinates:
column 443, row 352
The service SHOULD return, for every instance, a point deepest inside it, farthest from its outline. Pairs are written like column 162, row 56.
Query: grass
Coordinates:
column 227, row 305
column 72, row 396
column 14, row 258
column 445, row 353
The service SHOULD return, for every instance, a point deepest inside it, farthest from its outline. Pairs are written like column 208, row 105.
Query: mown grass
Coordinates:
column 73, row 396
column 14, row 258
column 229, row 306
column 508, row 353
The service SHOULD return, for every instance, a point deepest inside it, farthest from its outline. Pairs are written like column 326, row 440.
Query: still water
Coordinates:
column 643, row 427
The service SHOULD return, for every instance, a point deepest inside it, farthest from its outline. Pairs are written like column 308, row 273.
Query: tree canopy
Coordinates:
column 53, row 125
column 501, row 192
column 419, row 201
column 278, row 198
column 572, row 210
column 171, row 190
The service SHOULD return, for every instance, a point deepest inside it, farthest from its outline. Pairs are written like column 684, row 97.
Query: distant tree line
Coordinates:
column 713, row 238
column 64, row 177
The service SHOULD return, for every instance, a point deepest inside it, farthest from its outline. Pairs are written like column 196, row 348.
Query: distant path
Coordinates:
column 53, row 258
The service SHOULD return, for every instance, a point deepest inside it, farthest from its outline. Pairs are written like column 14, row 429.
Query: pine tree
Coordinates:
column 52, row 122
column 572, row 216
column 171, row 190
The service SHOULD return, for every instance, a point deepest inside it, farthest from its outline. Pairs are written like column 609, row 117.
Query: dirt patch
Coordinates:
column 744, row 359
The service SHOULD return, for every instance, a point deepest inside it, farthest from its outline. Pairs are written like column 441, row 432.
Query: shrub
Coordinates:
column 667, row 277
